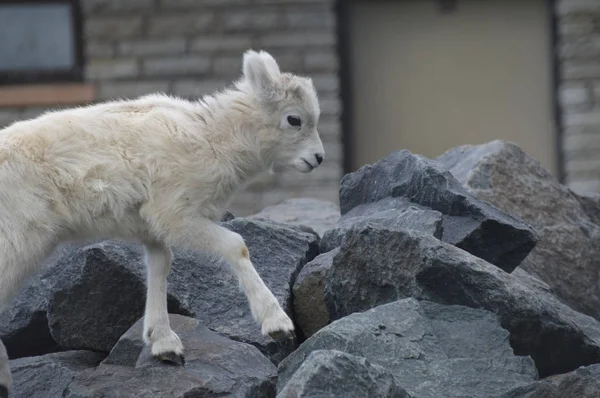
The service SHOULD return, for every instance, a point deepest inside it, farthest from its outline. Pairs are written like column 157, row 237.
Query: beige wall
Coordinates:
column 427, row 81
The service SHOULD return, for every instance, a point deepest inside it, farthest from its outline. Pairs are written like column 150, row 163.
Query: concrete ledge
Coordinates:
column 46, row 94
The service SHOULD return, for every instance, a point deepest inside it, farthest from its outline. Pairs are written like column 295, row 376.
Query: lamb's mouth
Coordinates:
column 310, row 166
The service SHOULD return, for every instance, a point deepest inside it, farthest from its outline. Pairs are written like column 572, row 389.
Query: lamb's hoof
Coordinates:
column 171, row 358
column 283, row 334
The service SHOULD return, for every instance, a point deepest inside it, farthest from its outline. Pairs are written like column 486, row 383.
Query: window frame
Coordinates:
column 38, row 76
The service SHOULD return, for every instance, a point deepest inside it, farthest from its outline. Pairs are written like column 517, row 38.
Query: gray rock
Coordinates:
column 129, row 347
column 49, row 375
column 278, row 253
column 583, row 382
column 469, row 223
column 5, row 373
column 567, row 256
column 215, row 366
column 405, row 216
column 309, row 294
column 102, row 293
column 376, row 266
column 23, row 323
column 590, row 203
column 331, row 373
column 465, row 332
column 415, row 349
column 98, row 296
column 320, row 215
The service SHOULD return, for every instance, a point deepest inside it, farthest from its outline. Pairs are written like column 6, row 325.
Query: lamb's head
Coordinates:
column 289, row 113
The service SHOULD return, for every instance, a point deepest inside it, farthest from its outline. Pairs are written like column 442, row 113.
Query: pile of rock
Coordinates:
column 471, row 275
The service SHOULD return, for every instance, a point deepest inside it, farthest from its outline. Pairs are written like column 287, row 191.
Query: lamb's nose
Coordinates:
column 319, row 158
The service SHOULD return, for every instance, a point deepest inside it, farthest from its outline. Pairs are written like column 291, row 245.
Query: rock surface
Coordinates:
column 24, row 323
column 320, row 215
column 99, row 296
column 5, row 372
column 278, row 253
column 309, row 294
column 584, row 382
column 215, row 366
column 415, row 343
column 86, row 312
column 331, row 373
column 49, row 375
column 469, row 223
column 376, row 266
column 413, row 291
column 409, row 217
column 567, row 256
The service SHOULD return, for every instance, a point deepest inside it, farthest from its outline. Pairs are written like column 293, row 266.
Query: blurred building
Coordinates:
column 424, row 75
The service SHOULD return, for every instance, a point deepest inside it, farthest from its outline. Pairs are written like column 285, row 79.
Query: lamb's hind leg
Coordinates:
column 165, row 343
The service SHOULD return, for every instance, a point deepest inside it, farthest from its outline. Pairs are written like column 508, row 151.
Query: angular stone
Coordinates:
column 309, row 294
column 129, row 347
column 102, row 291
column 320, row 215
column 98, row 296
column 389, row 213
column 567, row 255
column 465, row 332
column 49, row 375
column 332, row 373
column 215, row 366
column 401, row 338
column 469, row 223
column 5, row 373
column 376, row 266
column 24, row 323
column 277, row 252
column 590, row 203
column 583, row 382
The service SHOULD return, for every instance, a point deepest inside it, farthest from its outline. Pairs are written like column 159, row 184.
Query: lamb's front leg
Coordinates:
column 205, row 235
column 165, row 343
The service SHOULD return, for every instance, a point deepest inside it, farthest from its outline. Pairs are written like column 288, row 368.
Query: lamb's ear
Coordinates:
column 262, row 72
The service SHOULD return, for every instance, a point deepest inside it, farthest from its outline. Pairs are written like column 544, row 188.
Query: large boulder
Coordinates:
column 567, row 256
column 390, row 213
column 102, row 291
column 375, row 266
column 98, row 296
column 49, row 375
column 214, row 296
column 332, row 373
column 468, row 222
column 320, row 215
column 215, row 366
column 5, row 373
column 24, row 323
column 431, row 350
column 583, row 382
column 309, row 294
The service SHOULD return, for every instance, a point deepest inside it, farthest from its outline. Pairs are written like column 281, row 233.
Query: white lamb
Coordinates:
column 159, row 170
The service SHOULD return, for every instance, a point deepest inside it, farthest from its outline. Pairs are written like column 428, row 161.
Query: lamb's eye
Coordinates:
column 294, row 121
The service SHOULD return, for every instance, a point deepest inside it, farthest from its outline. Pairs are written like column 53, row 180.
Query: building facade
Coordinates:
column 126, row 48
